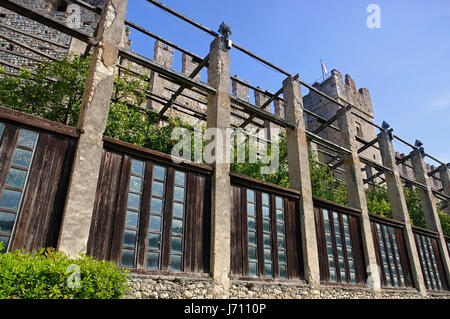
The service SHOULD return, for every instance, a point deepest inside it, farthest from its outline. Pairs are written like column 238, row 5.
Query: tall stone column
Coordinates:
column 444, row 173
column 357, row 195
column 429, row 205
column 299, row 177
column 399, row 207
column 92, row 123
column 218, row 117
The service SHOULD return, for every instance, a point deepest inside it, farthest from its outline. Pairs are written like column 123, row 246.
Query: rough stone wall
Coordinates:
column 87, row 21
column 163, row 287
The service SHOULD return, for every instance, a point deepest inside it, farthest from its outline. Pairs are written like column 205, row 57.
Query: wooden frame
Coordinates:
column 239, row 232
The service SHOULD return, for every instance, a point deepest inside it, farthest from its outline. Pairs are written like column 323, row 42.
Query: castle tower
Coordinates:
column 344, row 91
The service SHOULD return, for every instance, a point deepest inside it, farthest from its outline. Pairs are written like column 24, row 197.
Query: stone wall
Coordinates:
column 82, row 19
column 165, row 287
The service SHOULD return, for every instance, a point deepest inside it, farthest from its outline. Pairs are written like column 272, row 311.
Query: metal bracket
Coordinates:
column 225, row 31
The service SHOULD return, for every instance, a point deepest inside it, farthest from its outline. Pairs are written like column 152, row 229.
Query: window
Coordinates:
column 359, row 131
column 339, row 245
column 266, row 235
column 12, row 193
column 429, row 262
column 281, row 239
column 179, row 201
column 389, row 255
column 132, row 214
column 252, row 234
column 156, row 217
column 2, row 127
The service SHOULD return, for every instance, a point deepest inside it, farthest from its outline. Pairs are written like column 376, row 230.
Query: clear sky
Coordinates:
column 405, row 63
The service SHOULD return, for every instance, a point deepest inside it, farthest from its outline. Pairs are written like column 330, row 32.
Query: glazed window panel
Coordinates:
column 267, row 235
column 252, row 234
column 390, row 255
column 176, row 253
column 281, row 239
column 12, row 194
column 156, row 217
column 429, row 259
column 336, row 232
column 135, row 189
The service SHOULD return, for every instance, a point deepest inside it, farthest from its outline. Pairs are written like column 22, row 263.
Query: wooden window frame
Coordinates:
column 353, row 219
column 430, row 260
column 16, row 131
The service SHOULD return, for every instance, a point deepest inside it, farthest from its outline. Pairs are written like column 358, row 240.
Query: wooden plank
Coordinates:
column 34, row 122
column 7, row 147
column 120, row 211
column 355, row 233
column 259, row 233
column 236, row 233
column 152, row 155
column 108, row 189
column 321, row 245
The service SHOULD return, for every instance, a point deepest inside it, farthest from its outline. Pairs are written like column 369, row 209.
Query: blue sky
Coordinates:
column 405, row 63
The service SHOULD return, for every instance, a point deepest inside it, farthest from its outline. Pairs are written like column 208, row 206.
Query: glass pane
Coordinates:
column 252, row 269
column 266, row 212
column 268, row 254
column 280, row 216
column 27, row 138
column 137, row 167
column 281, row 242
column 2, row 126
column 175, row 262
column 178, row 210
column 250, row 209
column 10, row 199
column 16, row 178
column 279, row 202
column 266, row 225
column 267, row 240
column 157, row 189
column 152, row 260
column 176, row 244
column 268, row 270
column 265, row 199
column 325, row 215
column 281, row 256
column 280, row 229
column 134, row 201
column 129, row 238
column 22, row 157
column 282, row 271
column 252, row 253
column 135, row 184
column 180, row 178
column 250, row 195
column 159, row 172
column 127, row 258
column 252, row 238
column 154, row 241
column 251, row 223
column 177, row 227
column 178, row 194
column 332, row 275
column 7, row 222
column 155, row 223
column 132, row 219
column 156, row 205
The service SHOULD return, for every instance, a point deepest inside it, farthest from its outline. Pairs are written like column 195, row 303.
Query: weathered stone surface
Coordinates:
column 159, row 287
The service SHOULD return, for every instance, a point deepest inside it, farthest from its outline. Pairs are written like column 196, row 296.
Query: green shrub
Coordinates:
column 49, row 274
column 378, row 201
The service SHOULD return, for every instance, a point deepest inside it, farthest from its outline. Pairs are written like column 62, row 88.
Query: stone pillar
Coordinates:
column 429, row 205
column 356, row 194
column 444, row 173
column 218, row 117
column 399, row 207
column 299, row 177
column 92, row 122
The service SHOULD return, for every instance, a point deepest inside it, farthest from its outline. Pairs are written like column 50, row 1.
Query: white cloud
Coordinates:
column 441, row 101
